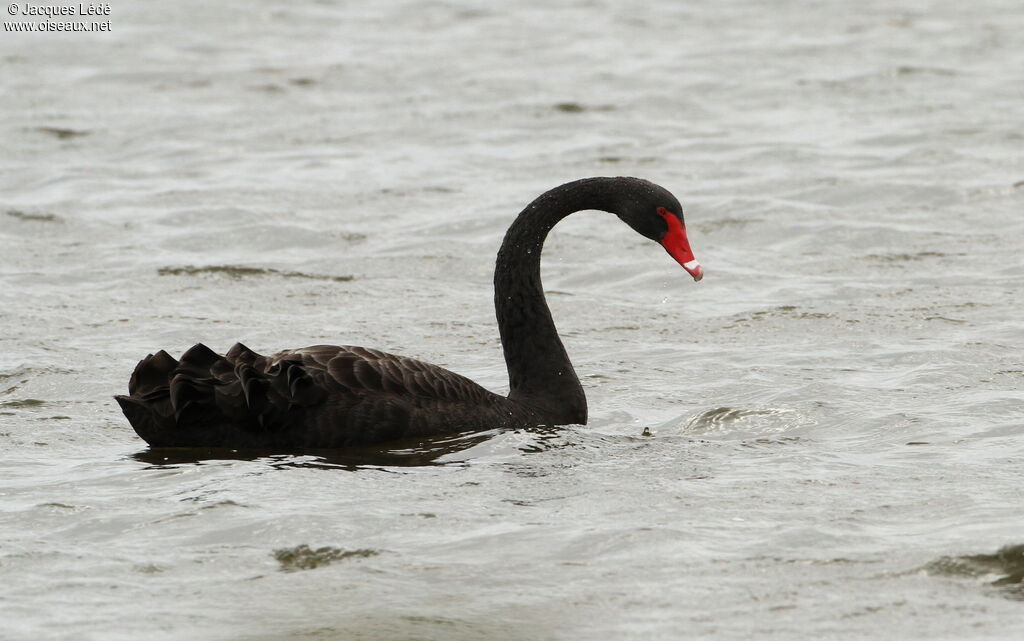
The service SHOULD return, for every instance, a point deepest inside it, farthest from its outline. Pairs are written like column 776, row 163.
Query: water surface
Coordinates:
column 835, row 412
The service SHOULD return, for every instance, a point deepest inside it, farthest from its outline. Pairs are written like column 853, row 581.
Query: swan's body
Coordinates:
column 329, row 396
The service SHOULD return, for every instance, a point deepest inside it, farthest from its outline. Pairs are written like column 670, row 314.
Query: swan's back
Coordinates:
column 322, row 396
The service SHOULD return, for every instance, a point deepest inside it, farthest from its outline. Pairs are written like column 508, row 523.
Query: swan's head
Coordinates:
column 656, row 214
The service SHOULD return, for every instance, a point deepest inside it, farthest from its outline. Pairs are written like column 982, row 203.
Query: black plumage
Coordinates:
column 328, row 396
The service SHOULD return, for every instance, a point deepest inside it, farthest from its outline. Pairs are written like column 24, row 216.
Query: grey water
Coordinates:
column 835, row 414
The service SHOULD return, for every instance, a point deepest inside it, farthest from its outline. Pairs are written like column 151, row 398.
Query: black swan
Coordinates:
column 328, row 396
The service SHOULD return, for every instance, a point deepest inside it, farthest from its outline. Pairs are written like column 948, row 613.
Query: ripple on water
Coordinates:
column 26, row 216
column 24, row 402
column 738, row 422
column 1003, row 569
column 241, row 271
column 12, row 380
column 303, row 557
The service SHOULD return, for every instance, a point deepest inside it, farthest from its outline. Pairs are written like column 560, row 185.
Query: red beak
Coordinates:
column 677, row 245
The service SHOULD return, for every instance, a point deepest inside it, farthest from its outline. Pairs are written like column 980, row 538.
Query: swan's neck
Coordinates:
column 541, row 377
